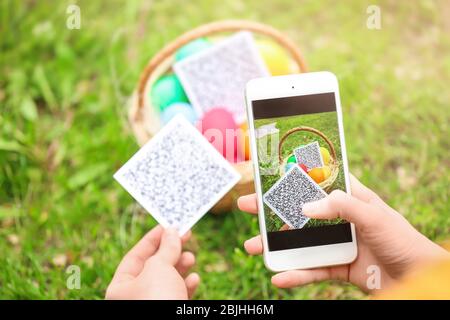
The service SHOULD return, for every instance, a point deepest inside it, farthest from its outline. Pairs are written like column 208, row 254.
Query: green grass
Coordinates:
column 325, row 122
column 64, row 132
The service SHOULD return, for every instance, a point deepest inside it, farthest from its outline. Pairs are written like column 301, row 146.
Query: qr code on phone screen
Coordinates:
column 287, row 196
column 177, row 176
column 309, row 155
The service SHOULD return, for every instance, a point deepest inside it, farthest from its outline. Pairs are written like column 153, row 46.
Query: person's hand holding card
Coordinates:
column 155, row 269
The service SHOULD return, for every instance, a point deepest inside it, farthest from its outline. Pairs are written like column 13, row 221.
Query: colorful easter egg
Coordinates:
column 276, row 59
column 320, row 174
column 288, row 166
column 166, row 91
column 220, row 129
column 183, row 108
column 191, row 48
column 245, row 141
column 326, row 157
column 303, row 167
column 326, row 172
column 292, row 159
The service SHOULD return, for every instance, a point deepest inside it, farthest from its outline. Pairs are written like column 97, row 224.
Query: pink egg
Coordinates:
column 220, row 129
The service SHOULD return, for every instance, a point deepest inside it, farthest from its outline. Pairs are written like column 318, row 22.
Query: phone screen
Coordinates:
column 299, row 132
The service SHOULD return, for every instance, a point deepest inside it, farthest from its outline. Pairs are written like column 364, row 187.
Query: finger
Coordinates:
column 133, row 262
column 284, row 227
column 254, row 246
column 185, row 238
column 295, row 278
column 361, row 192
column 192, row 281
column 339, row 204
column 170, row 247
column 248, row 203
column 187, row 261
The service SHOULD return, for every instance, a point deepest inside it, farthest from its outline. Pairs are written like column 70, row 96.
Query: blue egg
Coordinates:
column 288, row 166
column 182, row 108
column 191, row 48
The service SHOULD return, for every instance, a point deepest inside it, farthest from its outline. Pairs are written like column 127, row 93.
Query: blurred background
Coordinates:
column 64, row 132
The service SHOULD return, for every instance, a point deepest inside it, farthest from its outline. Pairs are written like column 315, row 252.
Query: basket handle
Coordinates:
column 309, row 129
column 208, row 29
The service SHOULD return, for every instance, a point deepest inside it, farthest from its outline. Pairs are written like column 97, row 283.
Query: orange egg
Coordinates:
column 245, row 141
column 317, row 174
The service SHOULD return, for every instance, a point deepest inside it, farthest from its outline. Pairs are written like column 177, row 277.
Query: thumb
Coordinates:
column 339, row 204
column 170, row 246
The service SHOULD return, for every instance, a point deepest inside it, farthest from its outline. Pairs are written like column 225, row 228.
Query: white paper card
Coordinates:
column 309, row 155
column 177, row 176
column 287, row 196
column 216, row 77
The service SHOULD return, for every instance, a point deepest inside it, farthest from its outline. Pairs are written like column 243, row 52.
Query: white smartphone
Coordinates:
column 296, row 120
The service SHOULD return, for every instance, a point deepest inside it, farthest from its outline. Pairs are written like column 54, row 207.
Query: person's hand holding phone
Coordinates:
column 385, row 239
column 155, row 269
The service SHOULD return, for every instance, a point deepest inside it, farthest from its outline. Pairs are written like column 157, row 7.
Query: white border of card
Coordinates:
column 275, row 185
column 210, row 55
column 154, row 211
column 298, row 150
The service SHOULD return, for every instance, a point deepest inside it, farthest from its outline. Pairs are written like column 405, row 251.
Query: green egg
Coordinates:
column 192, row 48
column 292, row 159
column 166, row 91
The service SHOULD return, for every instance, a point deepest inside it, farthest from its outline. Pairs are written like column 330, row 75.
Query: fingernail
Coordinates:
column 276, row 278
column 247, row 197
column 241, row 198
column 309, row 208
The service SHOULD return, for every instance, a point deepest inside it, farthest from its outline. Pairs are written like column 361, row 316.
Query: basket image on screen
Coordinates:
column 300, row 131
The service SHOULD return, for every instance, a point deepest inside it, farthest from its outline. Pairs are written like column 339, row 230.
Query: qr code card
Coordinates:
column 216, row 77
column 309, row 155
column 287, row 196
column 177, row 176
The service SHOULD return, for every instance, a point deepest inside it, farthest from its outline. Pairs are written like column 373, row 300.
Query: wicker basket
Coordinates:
column 143, row 118
column 334, row 164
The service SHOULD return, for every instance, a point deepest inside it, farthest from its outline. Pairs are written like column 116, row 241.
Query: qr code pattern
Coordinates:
column 178, row 178
column 217, row 76
column 309, row 155
column 287, row 196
